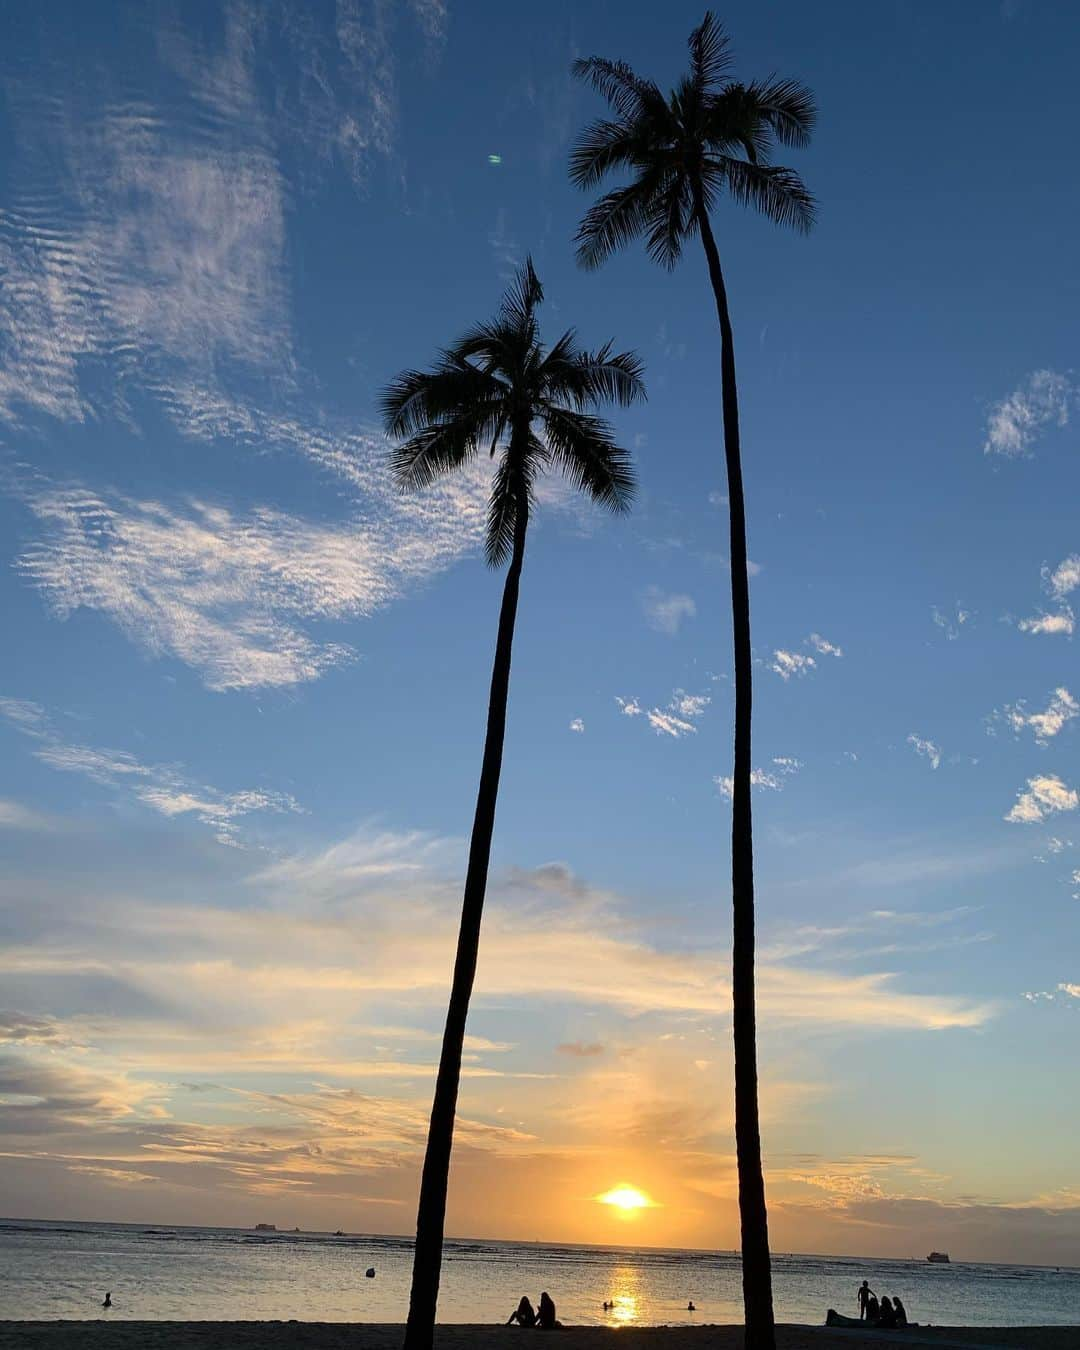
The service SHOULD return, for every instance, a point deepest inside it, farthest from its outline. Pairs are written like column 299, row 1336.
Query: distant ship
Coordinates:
column 266, row 1228
column 939, row 1258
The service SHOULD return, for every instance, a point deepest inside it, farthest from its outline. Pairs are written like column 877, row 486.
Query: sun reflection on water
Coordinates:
column 625, row 1309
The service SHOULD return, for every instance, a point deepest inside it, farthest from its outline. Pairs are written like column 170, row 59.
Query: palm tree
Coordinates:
column 498, row 389
column 710, row 136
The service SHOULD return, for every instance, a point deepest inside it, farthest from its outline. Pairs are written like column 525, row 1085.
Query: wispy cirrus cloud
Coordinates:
column 1015, row 422
column 788, row 664
column 770, row 779
column 15, row 816
column 666, row 611
column 162, row 788
column 950, row 624
column 676, row 720
column 926, row 748
column 232, row 595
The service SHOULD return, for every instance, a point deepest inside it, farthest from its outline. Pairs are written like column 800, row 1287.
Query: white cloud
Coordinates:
column 1045, row 794
column 926, row 748
column 666, row 612
column 227, row 593
column 951, row 626
column 162, row 788
column 1061, row 708
column 668, row 724
column 1059, row 581
column 1062, row 622
column 823, row 646
column 577, row 724
column 146, row 231
column 1015, row 422
column 689, row 705
column 1073, row 990
column 15, row 816
column 786, row 664
column 1065, row 577
column 772, row 779
column 676, row 720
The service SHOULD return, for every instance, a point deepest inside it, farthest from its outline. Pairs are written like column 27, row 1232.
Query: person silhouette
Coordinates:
column 865, row 1295
column 886, row 1316
column 690, row 1306
column 545, row 1317
column 525, row 1315
column 107, row 1301
column 899, row 1311
column 872, row 1309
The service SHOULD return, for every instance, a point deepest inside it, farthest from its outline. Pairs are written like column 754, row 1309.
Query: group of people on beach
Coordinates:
column 889, row 1312
column 525, row 1315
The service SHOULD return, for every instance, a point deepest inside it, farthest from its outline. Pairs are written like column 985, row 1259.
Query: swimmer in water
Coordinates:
column 690, row 1306
column 107, row 1303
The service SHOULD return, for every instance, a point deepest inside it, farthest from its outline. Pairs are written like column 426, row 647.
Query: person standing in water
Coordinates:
column 107, row 1301
column 865, row 1295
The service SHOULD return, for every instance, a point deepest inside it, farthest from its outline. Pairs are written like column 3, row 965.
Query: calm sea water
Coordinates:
column 50, row 1270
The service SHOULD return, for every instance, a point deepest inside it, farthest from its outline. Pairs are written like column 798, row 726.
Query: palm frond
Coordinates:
column 778, row 193
column 670, row 221
column 507, row 488
column 419, row 398
column 710, row 52
column 787, row 106
column 605, row 145
column 584, row 448
column 522, row 297
column 432, row 453
column 626, row 91
column 582, row 379
column 618, row 217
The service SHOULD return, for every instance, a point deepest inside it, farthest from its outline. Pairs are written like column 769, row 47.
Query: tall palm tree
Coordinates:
column 711, row 135
column 498, row 389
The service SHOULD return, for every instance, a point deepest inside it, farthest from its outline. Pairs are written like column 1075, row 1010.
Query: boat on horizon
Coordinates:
column 939, row 1258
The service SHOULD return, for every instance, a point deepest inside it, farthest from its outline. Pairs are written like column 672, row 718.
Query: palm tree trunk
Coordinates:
column 431, row 1212
column 756, row 1266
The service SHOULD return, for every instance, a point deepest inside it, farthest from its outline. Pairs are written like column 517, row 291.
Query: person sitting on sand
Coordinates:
column 525, row 1316
column 886, row 1317
column 899, row 1311
column 865, row 1293
column 545, row 1318
column 872, row 1308
column 107, row 1301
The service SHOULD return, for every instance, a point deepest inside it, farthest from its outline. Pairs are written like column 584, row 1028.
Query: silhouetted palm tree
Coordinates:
column 709, row 136
column 498, row 389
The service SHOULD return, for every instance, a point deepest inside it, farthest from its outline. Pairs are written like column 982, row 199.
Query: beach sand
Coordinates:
column 106, row 1335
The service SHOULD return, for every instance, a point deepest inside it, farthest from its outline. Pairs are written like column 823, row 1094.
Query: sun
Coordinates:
column 626, row 1199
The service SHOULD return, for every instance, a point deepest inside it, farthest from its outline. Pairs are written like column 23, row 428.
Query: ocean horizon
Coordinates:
column 174, row 1272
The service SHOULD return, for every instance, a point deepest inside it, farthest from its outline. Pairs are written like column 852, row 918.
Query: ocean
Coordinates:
column 158, row 1272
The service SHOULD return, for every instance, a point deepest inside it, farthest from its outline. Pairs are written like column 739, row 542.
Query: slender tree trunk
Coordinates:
column 431, row 1213
column 756, row 1266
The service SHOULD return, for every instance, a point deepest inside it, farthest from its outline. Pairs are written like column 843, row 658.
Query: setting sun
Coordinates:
column 626, row 1199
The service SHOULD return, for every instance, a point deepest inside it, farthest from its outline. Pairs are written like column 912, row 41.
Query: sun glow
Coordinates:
column 626, row 1200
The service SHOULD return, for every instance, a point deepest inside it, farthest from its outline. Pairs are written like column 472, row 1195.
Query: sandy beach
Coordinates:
column 103, row 1335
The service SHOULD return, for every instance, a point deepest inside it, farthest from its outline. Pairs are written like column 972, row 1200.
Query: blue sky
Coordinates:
column 245, row 682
